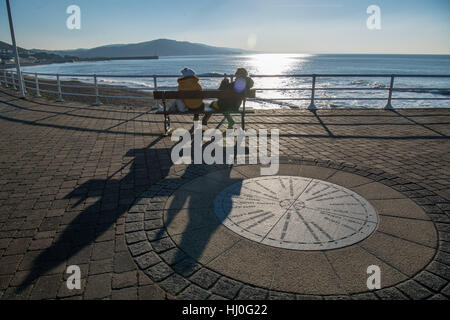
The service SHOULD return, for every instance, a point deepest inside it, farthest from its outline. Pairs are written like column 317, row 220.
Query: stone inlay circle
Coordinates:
column 295, row 213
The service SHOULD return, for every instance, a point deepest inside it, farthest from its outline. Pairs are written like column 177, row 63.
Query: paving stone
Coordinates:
column 186, row 267
column 133, row 227
column 364, row 296
column 194, row 292
column 103, row 250
column 444, row 246
column 151, row 292
column 134, row 237
column 98, row 286
column 123, row 280
column 162, row 244
column 13, row 293
column 390, row 294
column 226, row 287
column 431, row 280
column 446, row 290
column 65, row 292
column 443, row 257
column 440, row 269
column 438, row 297
column 251, row 293
column 414, row 290
column 123, row 262
column 159, row 271
column 153, row 224
column 4, row 282
column 276, row 295
column 156, row 234
column 173, row 256
column 147, row 260
column 46, row 287
column 174, row 284
column 101, row 266
column 205, row 278
column 139, row 248
column 216, row 297
column 124, row 294
column 9, row 264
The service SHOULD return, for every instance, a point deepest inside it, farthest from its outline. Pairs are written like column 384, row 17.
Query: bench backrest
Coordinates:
column 205, row 94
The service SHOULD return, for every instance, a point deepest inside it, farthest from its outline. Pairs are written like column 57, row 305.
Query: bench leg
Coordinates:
column 166, row 119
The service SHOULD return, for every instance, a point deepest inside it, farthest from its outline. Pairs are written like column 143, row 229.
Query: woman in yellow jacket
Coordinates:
column 189, row 82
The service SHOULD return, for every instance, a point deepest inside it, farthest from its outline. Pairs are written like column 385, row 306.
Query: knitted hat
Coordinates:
column 241, row 73
column 186, row 72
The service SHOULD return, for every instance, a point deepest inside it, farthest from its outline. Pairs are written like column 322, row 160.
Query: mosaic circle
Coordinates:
column 295, row 213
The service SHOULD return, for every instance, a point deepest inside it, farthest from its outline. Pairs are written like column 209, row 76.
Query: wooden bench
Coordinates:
column 205, row 94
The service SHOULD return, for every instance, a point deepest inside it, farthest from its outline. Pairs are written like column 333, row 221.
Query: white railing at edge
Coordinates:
column 10, row 78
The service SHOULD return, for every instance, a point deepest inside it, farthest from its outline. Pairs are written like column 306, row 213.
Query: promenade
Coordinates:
column 95, row 187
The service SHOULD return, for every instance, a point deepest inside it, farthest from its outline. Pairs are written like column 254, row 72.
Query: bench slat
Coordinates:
column 205, row 94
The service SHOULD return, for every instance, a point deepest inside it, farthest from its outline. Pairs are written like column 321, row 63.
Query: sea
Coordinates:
column 275, row 89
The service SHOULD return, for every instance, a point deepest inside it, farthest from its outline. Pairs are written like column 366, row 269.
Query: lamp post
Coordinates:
column 16, row 54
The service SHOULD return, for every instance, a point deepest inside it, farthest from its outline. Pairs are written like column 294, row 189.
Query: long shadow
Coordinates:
column 96, row 218
column 418, row 123
column 322, row 124
column 196, row 208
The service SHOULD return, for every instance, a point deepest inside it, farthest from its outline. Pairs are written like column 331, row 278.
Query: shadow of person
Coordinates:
column 189, row 217
column 98, row 217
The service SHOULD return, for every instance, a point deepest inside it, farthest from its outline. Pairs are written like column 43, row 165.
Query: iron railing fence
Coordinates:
column 10, row 78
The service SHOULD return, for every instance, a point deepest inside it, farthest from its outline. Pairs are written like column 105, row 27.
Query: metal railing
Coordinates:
column 10, row 78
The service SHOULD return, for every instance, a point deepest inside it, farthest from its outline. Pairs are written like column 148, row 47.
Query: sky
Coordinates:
column 285, row 26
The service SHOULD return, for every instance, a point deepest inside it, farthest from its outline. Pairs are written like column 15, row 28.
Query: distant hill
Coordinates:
column 40, row 56
column 7, row 46
column 160, row 47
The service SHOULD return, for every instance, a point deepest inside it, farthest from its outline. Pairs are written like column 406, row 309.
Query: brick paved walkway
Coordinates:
column 70, row 172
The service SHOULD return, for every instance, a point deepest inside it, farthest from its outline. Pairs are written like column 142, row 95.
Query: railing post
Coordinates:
column 60, row 99
column 13, row 80
column 38, row 93
column 312, row 106
column 391, row 87
column 155, row 88
column 24, row 85
column 97, row 101
column 6, row 80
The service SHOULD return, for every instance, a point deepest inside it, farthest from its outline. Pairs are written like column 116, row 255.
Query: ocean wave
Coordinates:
column 369, row 83
column 127, row 83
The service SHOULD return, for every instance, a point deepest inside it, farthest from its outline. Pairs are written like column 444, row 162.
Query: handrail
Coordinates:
column 9, row 77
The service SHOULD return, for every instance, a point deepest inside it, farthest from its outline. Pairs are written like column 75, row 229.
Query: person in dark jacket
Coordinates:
column 241, row 83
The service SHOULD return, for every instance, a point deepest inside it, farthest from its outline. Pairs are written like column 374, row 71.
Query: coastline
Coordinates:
column 89, row 89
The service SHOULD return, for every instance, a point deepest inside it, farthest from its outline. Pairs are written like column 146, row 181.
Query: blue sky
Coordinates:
column 288, row 26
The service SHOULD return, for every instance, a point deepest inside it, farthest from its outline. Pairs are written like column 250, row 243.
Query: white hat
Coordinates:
column 186, row 72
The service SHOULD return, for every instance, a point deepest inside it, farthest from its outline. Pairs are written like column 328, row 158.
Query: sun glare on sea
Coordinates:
column 266, row 64
column 275, row 64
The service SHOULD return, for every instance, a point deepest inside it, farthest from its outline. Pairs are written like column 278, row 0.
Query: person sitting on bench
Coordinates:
column 242, row 83
column 188, row 82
